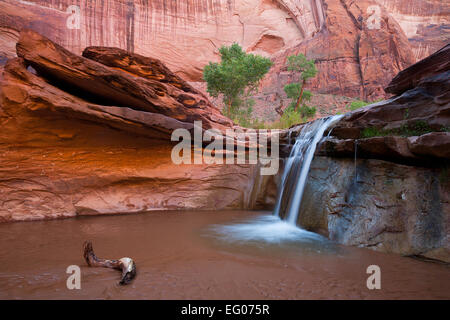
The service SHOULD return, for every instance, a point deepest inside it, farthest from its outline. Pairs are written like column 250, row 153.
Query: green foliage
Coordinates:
column 418, row 128
column 371, row 132
column 304, row 111
column 241, row 112
column 444, row 175
column 287, row 120
column 358, row 104
column 292, row 90
column 300, row 63
column 406, row 114
column 237, row 75
column 295, row 91
column 307, row 95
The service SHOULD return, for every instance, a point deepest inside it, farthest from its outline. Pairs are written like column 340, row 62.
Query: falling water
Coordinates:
column 297, row 168
column 289, row 138
column 271, row 229
column 356, row 154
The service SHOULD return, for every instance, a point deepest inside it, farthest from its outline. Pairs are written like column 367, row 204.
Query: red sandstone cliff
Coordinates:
column 352, row 60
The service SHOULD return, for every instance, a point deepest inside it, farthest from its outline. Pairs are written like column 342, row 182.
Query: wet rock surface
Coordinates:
column 379, row 205
column 381, row 179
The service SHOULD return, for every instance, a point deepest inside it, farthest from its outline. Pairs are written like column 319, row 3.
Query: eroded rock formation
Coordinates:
column 65, row 151
column 89, row 135
column 353, row 58
column 96, row 82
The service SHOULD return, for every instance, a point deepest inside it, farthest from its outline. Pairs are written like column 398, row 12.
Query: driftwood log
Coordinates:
column 126, row 265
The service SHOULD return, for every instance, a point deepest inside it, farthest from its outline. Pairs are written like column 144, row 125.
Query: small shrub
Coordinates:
column 372, row 132
column 289, row 119
column 358, row 104
column 406, row 114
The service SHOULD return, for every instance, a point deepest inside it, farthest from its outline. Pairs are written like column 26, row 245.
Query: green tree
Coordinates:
column 296, row 91
column 236, row 76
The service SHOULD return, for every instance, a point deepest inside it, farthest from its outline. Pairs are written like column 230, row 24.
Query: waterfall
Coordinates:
column 356, row 154
column 297, row 168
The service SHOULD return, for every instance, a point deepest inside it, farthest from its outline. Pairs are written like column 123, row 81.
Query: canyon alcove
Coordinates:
column 95, row 99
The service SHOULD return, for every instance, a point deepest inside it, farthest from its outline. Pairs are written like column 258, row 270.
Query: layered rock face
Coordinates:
column 65, row 151
column 437, row 63
column 425, row 23
column 355, row 55
column 109, row 172
column 186, row 35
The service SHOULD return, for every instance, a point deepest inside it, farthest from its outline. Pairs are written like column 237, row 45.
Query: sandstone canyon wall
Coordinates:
column 352, row 60
column 185, row 34
column 425, row 23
